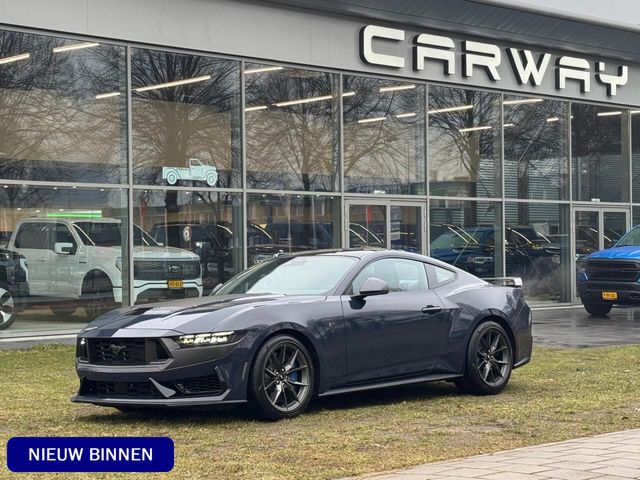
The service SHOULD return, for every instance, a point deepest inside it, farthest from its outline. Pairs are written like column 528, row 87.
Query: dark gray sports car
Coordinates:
column 304, row 325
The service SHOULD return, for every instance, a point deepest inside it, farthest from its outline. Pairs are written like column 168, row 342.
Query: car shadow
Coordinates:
column 242, row 413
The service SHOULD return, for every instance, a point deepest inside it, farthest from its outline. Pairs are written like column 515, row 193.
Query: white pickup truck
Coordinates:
column 78, row 262
column 195, row 171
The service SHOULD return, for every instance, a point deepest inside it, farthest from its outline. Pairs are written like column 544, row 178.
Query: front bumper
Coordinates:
column 591, row 292
column 189, row 377
column 155, row 291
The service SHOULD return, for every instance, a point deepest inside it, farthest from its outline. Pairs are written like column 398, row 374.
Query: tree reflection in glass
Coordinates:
column 464, row 142
column 185, row 107
column 383, row 136
column 55, row 121
column 291, row 118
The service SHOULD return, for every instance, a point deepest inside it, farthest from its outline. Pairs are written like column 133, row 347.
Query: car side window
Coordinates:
column 33, row 235
column 442, row 275
column 401, row 274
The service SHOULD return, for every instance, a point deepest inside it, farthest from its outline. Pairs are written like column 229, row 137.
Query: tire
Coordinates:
column 598, row 309
column 172, row 178
column 97, row 295
column 63, row 309
column 269, row 376
column 211, row 179
column 489, row 361
column 8, row 306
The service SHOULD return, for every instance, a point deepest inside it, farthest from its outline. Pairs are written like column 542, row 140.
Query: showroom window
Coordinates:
column 291, row 124
column 278, row 224
column 384, row 136
column 197, row 241
column 465, row 147
column 62, row 109
column 537, row 249
column 467, row 234
column 635, row 155
column 600, row 153
column 63, row 253
column 536, row 148
column 186, row 120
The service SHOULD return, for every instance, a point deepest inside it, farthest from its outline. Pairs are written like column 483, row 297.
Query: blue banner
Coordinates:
column 90, row 454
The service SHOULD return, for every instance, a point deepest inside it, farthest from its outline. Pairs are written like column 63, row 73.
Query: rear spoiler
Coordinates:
column 506, row 281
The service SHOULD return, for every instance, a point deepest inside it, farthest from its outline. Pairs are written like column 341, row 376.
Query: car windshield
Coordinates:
column 458, row 238
column 632, row 238
column 109, row 234
column 304, row 275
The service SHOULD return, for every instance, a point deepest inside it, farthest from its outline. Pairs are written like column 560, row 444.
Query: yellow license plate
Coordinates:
column 175, row 284
column 609, row 295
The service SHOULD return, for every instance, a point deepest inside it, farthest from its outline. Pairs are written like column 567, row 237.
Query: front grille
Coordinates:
column 125, row 351
column 614, row 270
column 166, row 269
column 125, row 389
column 209, row 384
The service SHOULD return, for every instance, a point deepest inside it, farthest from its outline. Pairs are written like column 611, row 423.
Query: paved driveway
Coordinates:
column 573, row 327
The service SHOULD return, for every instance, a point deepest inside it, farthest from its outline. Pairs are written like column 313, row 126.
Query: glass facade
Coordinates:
column 111, row 195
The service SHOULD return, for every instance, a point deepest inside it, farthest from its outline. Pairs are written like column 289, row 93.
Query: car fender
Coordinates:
column 305, row 335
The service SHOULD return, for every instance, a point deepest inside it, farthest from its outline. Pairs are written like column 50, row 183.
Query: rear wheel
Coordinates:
column 598, row 309
column 7, row 307
column 489, row 361
column 281, row 381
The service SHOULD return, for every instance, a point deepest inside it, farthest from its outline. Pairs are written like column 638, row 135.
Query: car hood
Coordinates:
column 631, row 252
column 192, row 315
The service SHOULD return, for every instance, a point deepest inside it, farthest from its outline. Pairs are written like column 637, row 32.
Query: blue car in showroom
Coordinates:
column 305, row 325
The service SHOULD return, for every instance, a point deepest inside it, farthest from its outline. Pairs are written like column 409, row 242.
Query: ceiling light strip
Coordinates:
column 475, row 129
column 14, row 58
column 394, row 88
column 371, row 120
column 523, row 101
column 75, row 46
column 262, row 69
column 175, row 83
column 610, row 114
column 406, row 115
column 107, row 95
column 257, row 107
column 451, row 109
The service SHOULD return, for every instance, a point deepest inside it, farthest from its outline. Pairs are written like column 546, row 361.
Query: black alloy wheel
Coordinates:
column 281, row 382
column 489, row 361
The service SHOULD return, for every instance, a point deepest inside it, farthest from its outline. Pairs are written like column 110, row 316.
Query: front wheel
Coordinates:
column 97, row 293
column 598, row 309
column 489, row 361
column 281, row 381
column 7, row 307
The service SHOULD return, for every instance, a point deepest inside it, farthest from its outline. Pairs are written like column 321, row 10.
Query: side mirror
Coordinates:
column 63, row 248
column 216, row 289
column 372, row 286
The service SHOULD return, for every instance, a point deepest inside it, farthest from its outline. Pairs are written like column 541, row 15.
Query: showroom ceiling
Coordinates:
column 498, row 19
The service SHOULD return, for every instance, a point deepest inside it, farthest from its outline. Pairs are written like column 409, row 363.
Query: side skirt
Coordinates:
column 390, row 384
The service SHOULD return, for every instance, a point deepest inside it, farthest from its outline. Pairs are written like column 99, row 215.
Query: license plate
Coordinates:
column 609, row 295
column 175, row 284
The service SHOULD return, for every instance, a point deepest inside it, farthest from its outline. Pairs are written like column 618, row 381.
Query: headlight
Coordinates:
column 213, row 338
column 119, row 263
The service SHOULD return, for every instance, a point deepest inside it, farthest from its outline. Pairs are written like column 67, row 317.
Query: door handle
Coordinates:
column 431, row 309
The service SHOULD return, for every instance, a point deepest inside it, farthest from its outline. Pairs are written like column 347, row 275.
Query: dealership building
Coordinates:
column 150, row 150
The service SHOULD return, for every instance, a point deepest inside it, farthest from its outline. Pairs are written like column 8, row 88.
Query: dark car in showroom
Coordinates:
column 306, row 325
column 528, row 253
column 14, row 286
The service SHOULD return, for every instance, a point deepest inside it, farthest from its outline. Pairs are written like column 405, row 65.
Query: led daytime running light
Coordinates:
column 215, row 338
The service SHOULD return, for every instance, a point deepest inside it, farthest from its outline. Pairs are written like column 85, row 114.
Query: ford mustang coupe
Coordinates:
column 306, row 325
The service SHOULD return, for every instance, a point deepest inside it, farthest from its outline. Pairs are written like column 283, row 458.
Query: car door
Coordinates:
column 64, row 264
column 32, row 241
column 395, row 334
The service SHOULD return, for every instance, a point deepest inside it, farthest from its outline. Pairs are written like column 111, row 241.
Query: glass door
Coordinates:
column 596, row 229
column 387, row 224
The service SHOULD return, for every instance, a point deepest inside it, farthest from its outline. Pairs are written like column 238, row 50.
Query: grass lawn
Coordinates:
column 562, row 394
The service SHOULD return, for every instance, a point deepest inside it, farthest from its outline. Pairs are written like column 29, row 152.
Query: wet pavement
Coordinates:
column 574, row 328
